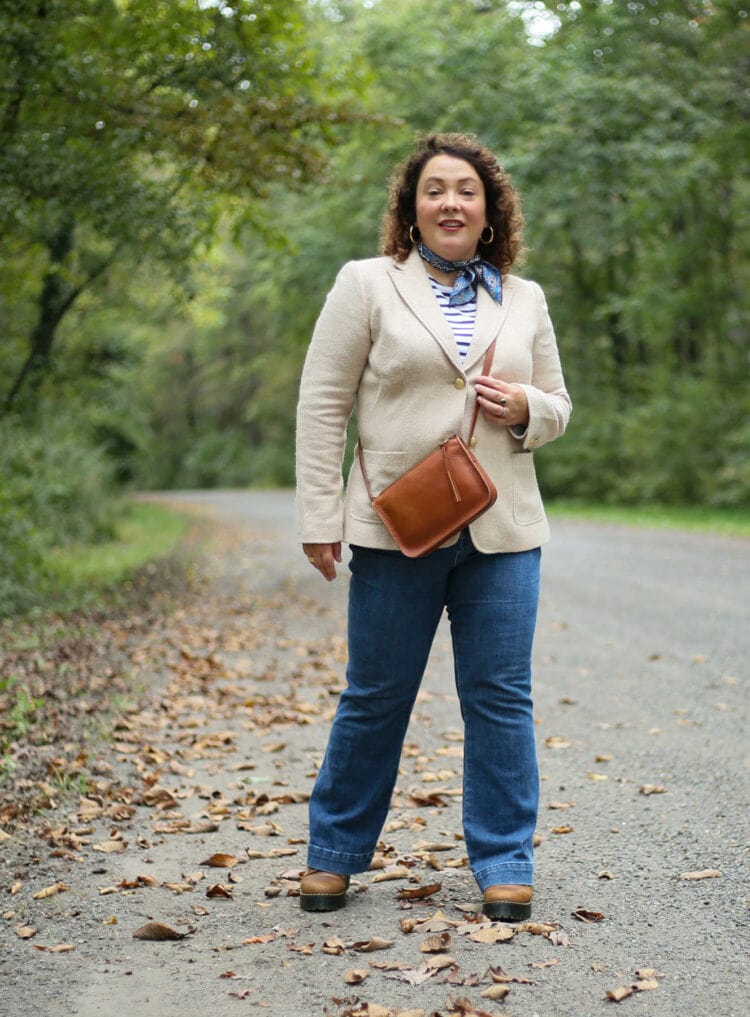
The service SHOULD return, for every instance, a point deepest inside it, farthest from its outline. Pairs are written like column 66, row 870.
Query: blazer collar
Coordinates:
column 412, row 283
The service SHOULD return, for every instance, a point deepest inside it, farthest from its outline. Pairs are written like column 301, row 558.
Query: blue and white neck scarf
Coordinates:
column 470, row 273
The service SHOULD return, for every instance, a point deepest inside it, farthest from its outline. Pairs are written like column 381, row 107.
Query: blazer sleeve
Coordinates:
column 335, row 360
column 549, row 403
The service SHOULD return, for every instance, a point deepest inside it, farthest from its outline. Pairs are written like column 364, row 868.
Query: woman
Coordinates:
column 401, row 340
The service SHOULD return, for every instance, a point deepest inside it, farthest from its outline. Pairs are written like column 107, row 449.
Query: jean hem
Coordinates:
column 493, row 875
column 341, row 862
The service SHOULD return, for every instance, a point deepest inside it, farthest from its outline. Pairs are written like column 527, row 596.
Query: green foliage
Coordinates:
column 698, row 518
column 662, row 450
column 126, row 128
column 142, row 533
column 180, row 183
column 54, row 488
column 18, row 718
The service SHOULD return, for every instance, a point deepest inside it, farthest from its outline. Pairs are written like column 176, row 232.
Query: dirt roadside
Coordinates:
column 641, row 683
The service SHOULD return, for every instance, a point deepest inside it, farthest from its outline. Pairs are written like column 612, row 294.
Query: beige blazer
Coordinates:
column 382, row 347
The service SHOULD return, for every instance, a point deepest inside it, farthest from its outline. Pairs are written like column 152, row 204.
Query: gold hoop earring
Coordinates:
column 411, row 235
column 492, row 235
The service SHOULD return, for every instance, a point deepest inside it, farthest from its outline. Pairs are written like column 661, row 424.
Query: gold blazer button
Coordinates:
column 473, row 441
column 459, row 383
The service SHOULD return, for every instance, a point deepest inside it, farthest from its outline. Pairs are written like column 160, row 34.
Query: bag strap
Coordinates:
column 486, row 366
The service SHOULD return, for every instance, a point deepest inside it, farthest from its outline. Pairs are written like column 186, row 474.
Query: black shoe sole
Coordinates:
column 322, row 901
column 506, row 911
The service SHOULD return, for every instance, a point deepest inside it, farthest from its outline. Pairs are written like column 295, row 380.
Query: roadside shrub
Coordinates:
column 54, row 488
column 672, row 448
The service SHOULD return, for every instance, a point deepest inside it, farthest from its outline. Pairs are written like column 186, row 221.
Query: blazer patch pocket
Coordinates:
column 527, row 501
column 382, row 469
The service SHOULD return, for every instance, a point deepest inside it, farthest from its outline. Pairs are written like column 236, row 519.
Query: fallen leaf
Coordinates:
column 652, row 789
column 268, row 829
column 701, row 874
column 562, row 829
column 421, row 799
column 587, row 916
column 220, row 861
column 24, row 931
column 306, row 948
column 502, row 977
column 557, row 742
column 605, row 874
column 496, row 992
column 50, row 891
column 59, row 948
column 370, row 945
column 219, row 890
column 537, row 928
column 436, row 944
column 420, row 892
column 157, row 932
column 396, row 872
column 620, row 993
column 335, row 947
column 430, row 846
column 355, row 976
column 646, row 985
column 435, row 923
column 110, row 847
column 493, row 934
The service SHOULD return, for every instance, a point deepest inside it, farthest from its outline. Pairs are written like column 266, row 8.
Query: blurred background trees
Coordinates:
column 180, row 182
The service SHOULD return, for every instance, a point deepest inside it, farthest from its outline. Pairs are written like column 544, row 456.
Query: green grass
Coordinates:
column 144, row 533
column 726, row 522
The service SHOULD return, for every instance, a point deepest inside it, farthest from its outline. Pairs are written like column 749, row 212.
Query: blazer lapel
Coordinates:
column 490, row 319
column 410, row 279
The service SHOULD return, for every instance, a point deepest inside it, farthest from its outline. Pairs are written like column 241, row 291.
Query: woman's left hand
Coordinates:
column 501, row 402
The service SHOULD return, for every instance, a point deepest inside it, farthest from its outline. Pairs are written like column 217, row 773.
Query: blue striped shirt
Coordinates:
column 460, row 318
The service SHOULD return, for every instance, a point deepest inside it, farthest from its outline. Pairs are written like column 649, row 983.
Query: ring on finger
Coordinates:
column 311, row 559
column 503, row 401
column 505, row 412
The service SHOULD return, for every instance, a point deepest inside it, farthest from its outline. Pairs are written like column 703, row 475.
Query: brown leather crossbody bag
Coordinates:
column 437, row 497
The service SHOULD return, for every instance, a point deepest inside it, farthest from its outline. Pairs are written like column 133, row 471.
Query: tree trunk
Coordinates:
column 55, row 300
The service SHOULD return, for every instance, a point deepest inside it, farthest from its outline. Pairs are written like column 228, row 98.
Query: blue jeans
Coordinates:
column 395, row 604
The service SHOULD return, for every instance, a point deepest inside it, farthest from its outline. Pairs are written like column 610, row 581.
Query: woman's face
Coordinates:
column 451, row 207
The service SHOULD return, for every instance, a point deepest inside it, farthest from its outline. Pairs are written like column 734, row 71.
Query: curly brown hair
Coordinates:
column 502, row 200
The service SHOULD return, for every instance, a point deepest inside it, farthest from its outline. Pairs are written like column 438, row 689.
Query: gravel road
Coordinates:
column 641, row 678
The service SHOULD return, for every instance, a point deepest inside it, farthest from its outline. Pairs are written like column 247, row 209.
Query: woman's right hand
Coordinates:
column 324, row 558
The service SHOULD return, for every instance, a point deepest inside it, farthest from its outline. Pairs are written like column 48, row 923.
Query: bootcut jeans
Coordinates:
column 395, row 604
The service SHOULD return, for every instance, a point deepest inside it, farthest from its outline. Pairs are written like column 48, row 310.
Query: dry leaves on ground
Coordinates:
column 158, row 932
column 647, row 980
